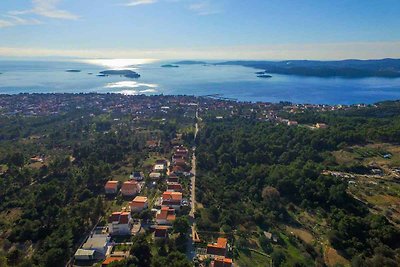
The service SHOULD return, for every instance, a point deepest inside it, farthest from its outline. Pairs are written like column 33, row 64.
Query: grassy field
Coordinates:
column 301, row 233
column 370, row 154
column 248, row 258
column 294, row 254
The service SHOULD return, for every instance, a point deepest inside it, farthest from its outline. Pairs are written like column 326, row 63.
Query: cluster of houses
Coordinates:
column 120, row 223
column 172, row 199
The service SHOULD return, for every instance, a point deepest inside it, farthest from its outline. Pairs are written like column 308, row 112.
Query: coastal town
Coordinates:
column 144, row 107
column 143, row 178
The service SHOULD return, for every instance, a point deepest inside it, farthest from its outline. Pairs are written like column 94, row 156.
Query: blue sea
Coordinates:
column 236, row 82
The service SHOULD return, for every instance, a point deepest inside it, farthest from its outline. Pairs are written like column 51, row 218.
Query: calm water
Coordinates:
column 230, row 81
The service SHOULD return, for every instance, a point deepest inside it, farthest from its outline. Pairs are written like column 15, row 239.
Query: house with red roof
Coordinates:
column 130, row 188
column 119, row 223
column 138, row 204
column 176, row 187
column 221, row 262
column 161, row 232
column 178, row 169
column 219, row 248
column 165, row 216
column 181, row 150
column 173, row 178
column 180, row 162
column 111, row 187
column 172, row 199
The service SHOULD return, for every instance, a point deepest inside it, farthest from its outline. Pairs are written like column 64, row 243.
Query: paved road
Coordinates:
column 193, row 178
column 190, row 248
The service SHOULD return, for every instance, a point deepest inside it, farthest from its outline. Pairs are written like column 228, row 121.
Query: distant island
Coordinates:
column 190, row 62
column 351, row 68
column 126, row 73
column 169, row 66
column 264, row 76
column 73, row 70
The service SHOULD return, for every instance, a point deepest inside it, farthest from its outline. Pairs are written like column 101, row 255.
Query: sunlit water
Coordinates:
column 234, row 82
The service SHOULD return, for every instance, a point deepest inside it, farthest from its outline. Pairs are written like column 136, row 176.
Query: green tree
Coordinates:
column 181, row 225
column 141, row 250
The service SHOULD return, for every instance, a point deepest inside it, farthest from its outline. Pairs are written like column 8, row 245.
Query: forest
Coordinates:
column 47, row 209
column 254, row 175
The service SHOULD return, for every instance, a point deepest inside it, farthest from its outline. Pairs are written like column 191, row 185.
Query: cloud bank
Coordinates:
column 364, row 50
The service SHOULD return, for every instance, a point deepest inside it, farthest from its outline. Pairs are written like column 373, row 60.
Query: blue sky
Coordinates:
column 209, row 29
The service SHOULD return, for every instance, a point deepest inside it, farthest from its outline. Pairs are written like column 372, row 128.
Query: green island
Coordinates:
column 126, row 73
column 169, row 66
column 176, row 181
column 73, row 71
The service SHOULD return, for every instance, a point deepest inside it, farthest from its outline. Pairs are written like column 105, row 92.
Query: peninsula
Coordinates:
column 350, row 68
column 190, row 62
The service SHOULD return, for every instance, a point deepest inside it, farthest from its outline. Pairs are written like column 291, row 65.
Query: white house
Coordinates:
column 97, row 243
column 138, row 204
column 119, row 223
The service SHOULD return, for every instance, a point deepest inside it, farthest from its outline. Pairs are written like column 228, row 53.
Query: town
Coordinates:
column 172, row 179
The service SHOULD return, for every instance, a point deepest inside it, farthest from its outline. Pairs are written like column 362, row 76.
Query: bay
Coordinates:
column 235, row 82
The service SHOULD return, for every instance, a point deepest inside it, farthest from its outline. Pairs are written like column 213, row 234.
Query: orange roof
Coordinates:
column 112, row 259
column 130, row 185
column 221, row 243
column 140, row 199
column 138, row 202
column 177, row 196
column 111, row 185
column 223, row 259
column 166, row 213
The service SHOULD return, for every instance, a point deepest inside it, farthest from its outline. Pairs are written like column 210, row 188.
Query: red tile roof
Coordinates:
column 130, row 187
column 111, row 259
column 111, row 185
column 166, row 213
column 124, row 218
column 138, row 202
column 172, row 196
column 119, row 217
column 218, row 248
column 174, row 186
column 222, row 262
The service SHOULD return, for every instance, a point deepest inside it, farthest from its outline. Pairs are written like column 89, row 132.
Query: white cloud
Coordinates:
column 362, row 50
column 46, row 8
column 10, row 21
column 204, row 8
column 140, row 2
